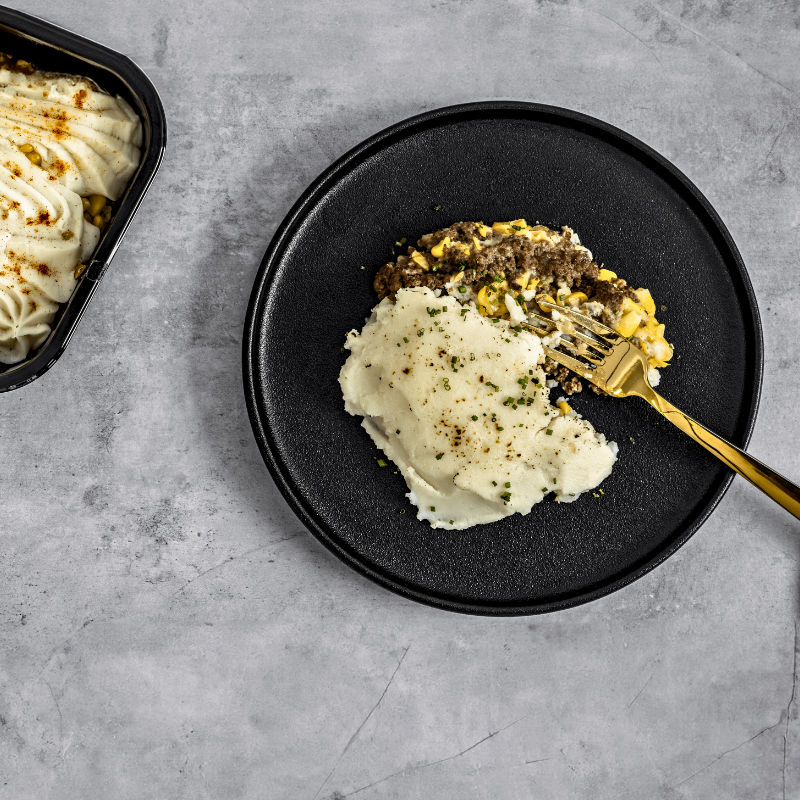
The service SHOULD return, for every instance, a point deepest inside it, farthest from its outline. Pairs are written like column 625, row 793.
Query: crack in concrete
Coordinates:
column 364, row 722
column 724, row 49
column 60, row 723
column 60, row 647
column 642, row 689
column 711, row 764
column 229, row 560
column 441, row 760
column 629, row 32
column 789, row 709
column 774, row 142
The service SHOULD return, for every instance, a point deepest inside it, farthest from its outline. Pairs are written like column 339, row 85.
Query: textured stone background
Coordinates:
column 167, row 627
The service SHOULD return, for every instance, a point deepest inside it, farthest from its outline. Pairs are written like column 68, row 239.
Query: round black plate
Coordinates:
column 497, row 161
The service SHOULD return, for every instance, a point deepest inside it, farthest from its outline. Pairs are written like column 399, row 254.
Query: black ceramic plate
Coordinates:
column 497, row 161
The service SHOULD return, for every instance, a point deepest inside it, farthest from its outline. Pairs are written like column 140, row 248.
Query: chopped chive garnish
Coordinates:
column 474, row 417
column 421, row 332
column 433, row 508
column 494, row 483
column 439, row 456
column 508, row 484
column 549, row 432
column 381, row 462
column 398, row 344
column 462, row 289
column 544, row 490
column 405, row 340
column 554, row 480
column 506, row 496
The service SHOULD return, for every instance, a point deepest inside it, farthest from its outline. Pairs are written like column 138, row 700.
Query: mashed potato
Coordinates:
column 459, row 403
column 66, row 148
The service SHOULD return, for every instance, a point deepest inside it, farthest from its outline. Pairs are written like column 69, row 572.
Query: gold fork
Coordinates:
column 620, row 368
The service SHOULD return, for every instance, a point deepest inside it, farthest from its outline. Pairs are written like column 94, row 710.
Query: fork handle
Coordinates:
column 782, row 491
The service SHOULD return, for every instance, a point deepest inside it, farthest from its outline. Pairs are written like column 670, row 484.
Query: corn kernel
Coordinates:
column 483, row 230
column 565, row 409
column 646, row 299
column 486, row 301
column 96, row 203
column 607, row 275
column 476, row 243
column 629, row 323
column 522, row 280
column 502, row 227
column 438, row 250
column 576, row 299
column 420, row 260
column 545, row 298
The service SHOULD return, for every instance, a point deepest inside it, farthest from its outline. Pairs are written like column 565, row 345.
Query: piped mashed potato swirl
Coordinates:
column 61, row 140
column 460, row 404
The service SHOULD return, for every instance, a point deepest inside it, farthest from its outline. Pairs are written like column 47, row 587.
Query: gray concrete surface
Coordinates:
column 167, row 627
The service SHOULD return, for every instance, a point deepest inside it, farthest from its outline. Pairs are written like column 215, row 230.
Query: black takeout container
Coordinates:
column 54, row 49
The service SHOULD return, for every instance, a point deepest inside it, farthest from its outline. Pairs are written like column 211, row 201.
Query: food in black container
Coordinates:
column 82, row 133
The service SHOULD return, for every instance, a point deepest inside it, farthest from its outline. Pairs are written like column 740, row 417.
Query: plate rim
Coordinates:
column 317, row 189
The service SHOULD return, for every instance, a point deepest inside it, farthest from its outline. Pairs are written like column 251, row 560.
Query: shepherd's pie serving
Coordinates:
column 456, row 392
column 66, row 150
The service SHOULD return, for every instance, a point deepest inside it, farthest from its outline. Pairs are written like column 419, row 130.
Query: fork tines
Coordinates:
column 602, row 339
column 606, row 334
